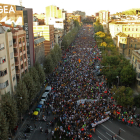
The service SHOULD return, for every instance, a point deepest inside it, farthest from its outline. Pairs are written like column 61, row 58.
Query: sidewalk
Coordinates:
column 25, row 117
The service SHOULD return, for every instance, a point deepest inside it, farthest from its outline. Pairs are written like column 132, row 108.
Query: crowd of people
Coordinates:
column 79, row 96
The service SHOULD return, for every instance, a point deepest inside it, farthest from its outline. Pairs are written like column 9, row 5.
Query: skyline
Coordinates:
column 85, row 6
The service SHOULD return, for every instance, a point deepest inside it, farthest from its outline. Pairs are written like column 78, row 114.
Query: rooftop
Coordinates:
column 38, row 39
column 121, row 34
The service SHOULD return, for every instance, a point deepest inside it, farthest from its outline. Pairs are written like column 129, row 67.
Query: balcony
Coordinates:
column 25, row 59
column 24, row 52
column 20, row 53
column 16, row 63
column 18, row 71
column 21, row 62
column 15, row 54
column 23, row 43
column 22, row 70
column 20, row 45
column 15, row 45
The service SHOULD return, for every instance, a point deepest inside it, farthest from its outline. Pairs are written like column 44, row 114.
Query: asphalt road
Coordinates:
column 106, row 130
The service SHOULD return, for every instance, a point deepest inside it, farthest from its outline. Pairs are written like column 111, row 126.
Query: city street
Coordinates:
column 78, row 99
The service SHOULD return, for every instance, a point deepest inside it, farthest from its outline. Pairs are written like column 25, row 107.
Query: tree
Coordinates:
column 41, row 72
column 127, row 75
column 9, row 108
column 28, row 80
column 123, row 95
column 54, row 57
column 58, row 52
column 22, row 97
column 4, row 125
column 34, row 73
column 48, row 64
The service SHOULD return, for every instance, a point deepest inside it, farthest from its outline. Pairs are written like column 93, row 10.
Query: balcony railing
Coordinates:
column 16, row 63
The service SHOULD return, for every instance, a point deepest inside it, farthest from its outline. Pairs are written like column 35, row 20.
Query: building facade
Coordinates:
column 48, row 34
column 20, row 52
column 7, row 63
column 39, row 48
column 131, row 28
column 104, row 16
column 135, row 61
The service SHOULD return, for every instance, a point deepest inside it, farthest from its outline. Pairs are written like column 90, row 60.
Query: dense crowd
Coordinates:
column 79, row 96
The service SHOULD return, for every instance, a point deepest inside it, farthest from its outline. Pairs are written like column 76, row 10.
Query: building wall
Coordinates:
column 20, row 53
column 28, row 27
column 7, row 81
column 39, row 52
column 133, row 30
column 135, row 61
column 48, row 33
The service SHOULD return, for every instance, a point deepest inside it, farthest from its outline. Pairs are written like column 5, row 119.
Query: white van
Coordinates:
column 48, row 89
column 44, row 97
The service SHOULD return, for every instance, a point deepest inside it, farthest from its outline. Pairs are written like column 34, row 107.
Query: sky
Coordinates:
column 88, row 6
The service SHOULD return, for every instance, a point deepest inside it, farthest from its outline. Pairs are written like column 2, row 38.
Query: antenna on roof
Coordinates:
column 20, row 1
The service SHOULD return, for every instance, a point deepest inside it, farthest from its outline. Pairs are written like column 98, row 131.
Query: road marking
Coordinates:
column 112, row 132
column 110, row 121
column 100, row 138
column 102, row 135
column 108, row 134
column 122, row 130
column 93, row 139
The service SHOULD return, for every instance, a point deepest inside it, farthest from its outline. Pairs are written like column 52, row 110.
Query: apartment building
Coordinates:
column 48, row 33
column 7, row 64
column 135, row 61
column 20, row 52
column 130, row 28
column 58, row 35
column 127, row 44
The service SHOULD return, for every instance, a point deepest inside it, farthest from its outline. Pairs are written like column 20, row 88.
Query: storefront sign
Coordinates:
column 6, row 9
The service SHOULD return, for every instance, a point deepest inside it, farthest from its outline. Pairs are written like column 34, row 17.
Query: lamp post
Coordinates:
column 118, row 79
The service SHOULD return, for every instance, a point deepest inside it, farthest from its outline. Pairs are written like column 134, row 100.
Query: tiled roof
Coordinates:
column 121, row 34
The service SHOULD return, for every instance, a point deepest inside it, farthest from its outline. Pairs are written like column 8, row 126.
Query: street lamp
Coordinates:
column 118, row 79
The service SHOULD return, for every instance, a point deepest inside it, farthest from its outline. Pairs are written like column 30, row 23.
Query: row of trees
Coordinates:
column 116, row 67
column 52, row 59
column 69, row 37
column 12, row 106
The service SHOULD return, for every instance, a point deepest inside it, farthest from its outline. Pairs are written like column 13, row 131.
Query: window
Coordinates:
column 132, row 29
column 131, row 45
column 22, row 66
column 10, row 43
column 3, row 73
column 20, row 49
column 125, row 29
column 27, row 36
column 2, row 59
column 135, row 61
column 1, row 46
column 129, row 51
column 139, row 83
column 133, row 58
column 14, row 77
column 19, row 40
column 128, row 29
column 4, row 85
column 138, row 75
column 136, row 29
column 135, row 46
column 23, row 39
column 12, row 67
column 12, row 55
column 139, row 66
column 122, row 39
column 23, row 47
column 21, row 58
column 25, row 64
column 24, row 56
